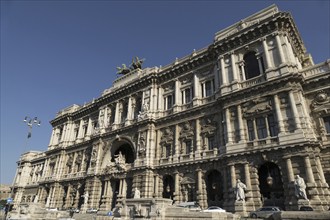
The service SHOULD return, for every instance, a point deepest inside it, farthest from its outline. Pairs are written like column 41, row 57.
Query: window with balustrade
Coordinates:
column 326, row 121
column 188, row 146
column 187, row 95
column 208, row 88
column 124, row 112
column 166, row 151
column 253, row 65
column 168, row 101
column 211, row 142
column 262, row 127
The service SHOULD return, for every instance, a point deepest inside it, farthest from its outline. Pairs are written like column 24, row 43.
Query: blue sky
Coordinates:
column 58, row 53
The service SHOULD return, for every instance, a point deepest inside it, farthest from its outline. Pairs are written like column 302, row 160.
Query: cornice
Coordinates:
column 280, row 22
column 265, row 88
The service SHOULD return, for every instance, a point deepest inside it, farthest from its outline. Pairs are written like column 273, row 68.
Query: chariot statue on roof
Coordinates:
column 136, row 64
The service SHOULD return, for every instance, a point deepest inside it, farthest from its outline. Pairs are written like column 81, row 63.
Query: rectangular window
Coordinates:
column 211, row 142
column 272, row 126
column 327, row 124
column 124, row 113
column 168, row 102
column 76, row 130
column 187, row 97
column 250, row 128
column 167, row 150
column 188, row 146
column 208, row 88
column 85, row 130
column 261, row 127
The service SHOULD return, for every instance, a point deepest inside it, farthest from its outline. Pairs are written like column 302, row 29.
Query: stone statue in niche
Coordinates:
column 137, row 193
column 300, row 188
column 239, row 191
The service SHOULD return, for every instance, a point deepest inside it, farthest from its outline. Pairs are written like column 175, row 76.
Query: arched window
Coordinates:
column 251, row 66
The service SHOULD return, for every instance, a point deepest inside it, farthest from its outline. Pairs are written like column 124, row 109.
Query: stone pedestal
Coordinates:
column 142, row 208
column 240, row 208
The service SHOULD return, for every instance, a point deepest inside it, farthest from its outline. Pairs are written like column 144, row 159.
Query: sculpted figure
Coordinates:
column 240, row 187
column 137, row 193
column 300, row 188
column 119, row 158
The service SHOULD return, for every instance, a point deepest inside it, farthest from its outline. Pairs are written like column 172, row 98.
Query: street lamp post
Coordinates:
column 30, row 122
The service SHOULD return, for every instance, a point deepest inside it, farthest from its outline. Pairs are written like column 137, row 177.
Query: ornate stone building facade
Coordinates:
column 251, row 106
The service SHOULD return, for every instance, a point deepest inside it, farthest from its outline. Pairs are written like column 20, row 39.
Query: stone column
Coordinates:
column 198, row 139
column 80, row 131
column 309, row 171
column 228, row 126
column 279, row 47
column 289, row 50
column 260, row 64
column 160, row 99
column 247, row 176
column 156, row 186
column 197, row 93
column 177, row 95
column 51, row 142
column 241, row 65
column 232, row 175
column 176, row 142
column 129, row 110
column 233, row 66
column 279, row 114
column 240, row 124
column 289, row 170
column 176, row 187
column 294, row 110
column 223, row 71
column 216, row 76
column 124, row 188
column 117, row 113
column 200, row 199
column 89, row 128
column 266, row 52
column 320, row 169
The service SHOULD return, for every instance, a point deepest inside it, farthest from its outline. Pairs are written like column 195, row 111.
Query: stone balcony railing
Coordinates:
column 316, row 69
column 73, row 175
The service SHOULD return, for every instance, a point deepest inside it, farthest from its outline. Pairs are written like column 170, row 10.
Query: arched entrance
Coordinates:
column 214, row 188
column 271, row 185
column 168, row 187
column 188, row 190
column 125, row 149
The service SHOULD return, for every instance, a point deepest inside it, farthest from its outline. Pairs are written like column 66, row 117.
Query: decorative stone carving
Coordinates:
column 208, row 126
column 142, row 144
column 79, row 158
column 52, row 160
column 321, row 103
column 119, row 163
column 257, row 106
column 167, row 136
column 70, row 160
column 186, row 131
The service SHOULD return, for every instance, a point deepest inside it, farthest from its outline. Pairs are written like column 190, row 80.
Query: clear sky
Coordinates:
column 58, row 53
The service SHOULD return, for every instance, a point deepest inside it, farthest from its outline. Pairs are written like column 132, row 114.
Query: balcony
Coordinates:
column 77, row 175
column 317, row 69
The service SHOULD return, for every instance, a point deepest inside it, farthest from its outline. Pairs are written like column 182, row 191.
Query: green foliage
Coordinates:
column 3, row 202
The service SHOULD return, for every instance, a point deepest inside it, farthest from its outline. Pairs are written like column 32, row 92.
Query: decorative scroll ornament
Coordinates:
column 321, row 103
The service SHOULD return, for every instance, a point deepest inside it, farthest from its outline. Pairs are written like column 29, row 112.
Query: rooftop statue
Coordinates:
column 136, row 64
column 123, row 70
